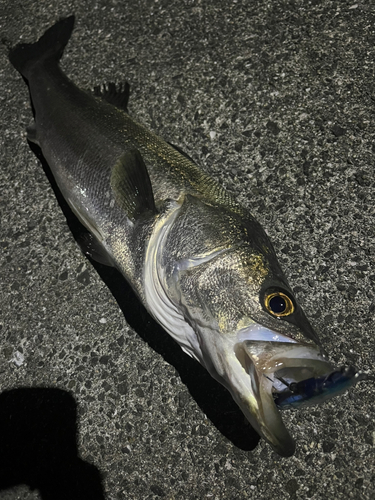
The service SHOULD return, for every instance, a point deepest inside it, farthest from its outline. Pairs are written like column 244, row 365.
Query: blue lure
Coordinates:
column 316, row 390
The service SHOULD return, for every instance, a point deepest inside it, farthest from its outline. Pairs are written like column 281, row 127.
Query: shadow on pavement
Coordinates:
column 38, row 443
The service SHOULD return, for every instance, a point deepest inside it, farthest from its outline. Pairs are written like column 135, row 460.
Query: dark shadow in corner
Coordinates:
column 38, row 445
column 212, row 398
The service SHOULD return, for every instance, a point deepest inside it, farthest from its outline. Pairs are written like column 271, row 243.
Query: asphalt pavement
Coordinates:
column 275, row 99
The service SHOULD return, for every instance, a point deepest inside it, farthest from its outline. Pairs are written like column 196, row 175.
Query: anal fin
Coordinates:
column 32, row 134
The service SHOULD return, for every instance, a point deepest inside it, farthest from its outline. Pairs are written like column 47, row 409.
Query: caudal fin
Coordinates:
column 49, row 47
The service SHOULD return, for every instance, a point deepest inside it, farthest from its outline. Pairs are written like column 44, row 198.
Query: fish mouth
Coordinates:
column 275, row 363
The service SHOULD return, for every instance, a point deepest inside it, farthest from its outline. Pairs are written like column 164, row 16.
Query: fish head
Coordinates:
column 254, row 336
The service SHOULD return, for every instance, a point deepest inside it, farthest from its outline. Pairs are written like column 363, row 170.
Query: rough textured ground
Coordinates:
column 276, row 100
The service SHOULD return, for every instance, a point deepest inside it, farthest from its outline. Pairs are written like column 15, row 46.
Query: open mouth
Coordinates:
column 285, row 373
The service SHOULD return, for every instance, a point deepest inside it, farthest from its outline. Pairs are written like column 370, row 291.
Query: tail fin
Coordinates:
column 49, row 47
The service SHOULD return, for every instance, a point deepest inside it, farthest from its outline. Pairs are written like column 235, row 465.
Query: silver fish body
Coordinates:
column 199, row 262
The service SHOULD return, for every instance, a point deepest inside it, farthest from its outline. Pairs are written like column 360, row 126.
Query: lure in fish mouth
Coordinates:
column 290, row 375
column 199, row 262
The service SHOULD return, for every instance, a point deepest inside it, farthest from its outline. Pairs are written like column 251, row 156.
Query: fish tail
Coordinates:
column 49, row 47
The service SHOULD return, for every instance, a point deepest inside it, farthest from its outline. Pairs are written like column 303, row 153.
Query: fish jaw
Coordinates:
column 249, row 368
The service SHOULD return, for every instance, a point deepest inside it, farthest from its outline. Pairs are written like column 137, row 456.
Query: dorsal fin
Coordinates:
column 131, row 185
column 117, row 95
column 177, row 148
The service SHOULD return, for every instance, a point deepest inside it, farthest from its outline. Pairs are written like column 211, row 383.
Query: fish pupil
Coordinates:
column 277, row 304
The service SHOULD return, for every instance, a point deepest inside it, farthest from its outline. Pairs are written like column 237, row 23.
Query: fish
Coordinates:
column 197, row 259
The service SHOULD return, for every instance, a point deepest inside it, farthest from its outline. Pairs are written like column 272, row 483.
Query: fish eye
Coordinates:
column 279, row 304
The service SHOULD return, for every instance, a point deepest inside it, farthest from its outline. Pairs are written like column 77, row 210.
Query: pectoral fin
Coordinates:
column 131, row 185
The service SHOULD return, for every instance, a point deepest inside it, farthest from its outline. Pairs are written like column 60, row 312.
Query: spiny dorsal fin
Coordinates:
column 117, row 95
column 177, row 148
column 131, row 185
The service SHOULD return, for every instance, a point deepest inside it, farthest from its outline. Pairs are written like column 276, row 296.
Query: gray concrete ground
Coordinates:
column 276, row 100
